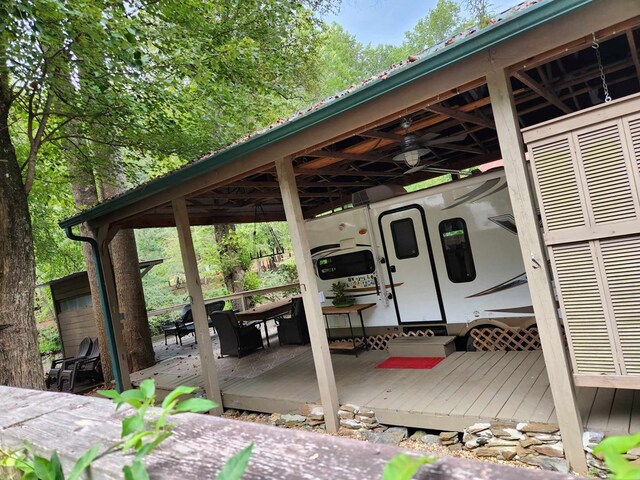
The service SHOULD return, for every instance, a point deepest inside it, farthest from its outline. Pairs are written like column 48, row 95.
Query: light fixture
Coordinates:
column 410, row 149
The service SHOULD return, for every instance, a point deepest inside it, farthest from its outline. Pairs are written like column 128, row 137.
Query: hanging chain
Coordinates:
column 596, row 46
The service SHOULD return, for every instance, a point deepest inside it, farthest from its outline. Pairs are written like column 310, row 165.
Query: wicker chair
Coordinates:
column 293, row 330
column 235, row 340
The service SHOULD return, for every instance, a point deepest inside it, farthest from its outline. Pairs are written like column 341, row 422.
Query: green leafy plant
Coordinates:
column 404, row 467
column 339, row 297
column 140, row 435
column 613, row 450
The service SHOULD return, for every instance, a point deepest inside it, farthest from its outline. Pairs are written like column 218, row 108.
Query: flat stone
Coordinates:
column 366, row 420
column 538, row 427
column 630, row 457
column 348, row 432
column 548, row 438
column 429, row 439
column 350, row 423
column 366, row 413
column 523, row 452
column 477, row 427
column 528, row 441
column 231, row 412
column 392, row 436
column 349, row 407
column 636, row 462
column 444, row 436
column 471, row 444
column 293, row 420
column 315, row 423
column 546, row 463
column 486, row 452
column 273, row 417
column 502, row 429
column 455, row 447
column 591, row 439
column 417, row 435
column 380, row 428
column 316, row 413
column 345, row 414
column 507, row 454
column 550, row 450
column 446, row 443
column 307, row 408
column 634, row 451
column 502, row 442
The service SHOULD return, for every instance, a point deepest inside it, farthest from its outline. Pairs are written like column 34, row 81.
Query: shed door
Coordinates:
column 410, row 265
column 587, row 180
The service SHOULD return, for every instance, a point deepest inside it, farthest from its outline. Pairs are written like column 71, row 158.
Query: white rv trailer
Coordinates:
column 447, row 255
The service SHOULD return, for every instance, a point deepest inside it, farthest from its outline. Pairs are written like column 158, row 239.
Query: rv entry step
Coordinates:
column 436, row 346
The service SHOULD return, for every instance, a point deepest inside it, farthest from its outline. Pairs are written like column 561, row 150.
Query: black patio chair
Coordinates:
column 293, row 330
column 235, row 340
column 181, row 327
column 214, row 307
column 52, row 377
column 83, row 370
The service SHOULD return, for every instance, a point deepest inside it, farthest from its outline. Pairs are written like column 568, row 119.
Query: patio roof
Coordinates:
column 329, row 170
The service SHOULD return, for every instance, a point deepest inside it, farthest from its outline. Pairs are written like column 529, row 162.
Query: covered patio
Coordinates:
column 534, row 64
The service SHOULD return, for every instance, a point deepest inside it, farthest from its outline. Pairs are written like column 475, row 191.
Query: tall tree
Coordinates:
column 441, row 22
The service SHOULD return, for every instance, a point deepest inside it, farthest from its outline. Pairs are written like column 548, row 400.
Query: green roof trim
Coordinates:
column 485, row 38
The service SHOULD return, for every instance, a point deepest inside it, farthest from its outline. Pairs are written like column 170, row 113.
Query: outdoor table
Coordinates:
column 345, row 346
column 264, row 313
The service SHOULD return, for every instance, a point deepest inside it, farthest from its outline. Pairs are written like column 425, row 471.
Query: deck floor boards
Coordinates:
column 464, row 388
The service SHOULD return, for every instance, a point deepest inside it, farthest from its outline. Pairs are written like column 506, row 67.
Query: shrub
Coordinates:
column 49, row 340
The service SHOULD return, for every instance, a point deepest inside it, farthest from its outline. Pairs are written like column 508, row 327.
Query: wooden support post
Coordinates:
column 103, row 237
column 309, row 289
column 205, row 347
column 537, row 268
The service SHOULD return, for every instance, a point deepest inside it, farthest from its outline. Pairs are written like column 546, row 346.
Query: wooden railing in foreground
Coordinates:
column 243, row 296
column 70, row 424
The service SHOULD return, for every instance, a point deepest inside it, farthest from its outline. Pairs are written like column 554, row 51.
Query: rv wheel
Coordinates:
column 469, row 343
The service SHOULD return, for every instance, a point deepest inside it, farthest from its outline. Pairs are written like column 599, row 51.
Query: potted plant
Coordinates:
column 339, row 298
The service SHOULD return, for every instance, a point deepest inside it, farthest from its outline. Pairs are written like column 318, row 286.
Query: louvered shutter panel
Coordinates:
column 586, row 171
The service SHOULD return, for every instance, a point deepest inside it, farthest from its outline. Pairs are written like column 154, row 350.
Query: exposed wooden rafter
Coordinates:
column 545, row 93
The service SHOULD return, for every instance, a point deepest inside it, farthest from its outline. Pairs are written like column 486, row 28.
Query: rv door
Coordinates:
column 410, row 265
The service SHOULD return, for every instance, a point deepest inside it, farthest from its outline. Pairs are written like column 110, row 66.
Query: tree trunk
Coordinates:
column 136, row 331
column 232, row 270
column 20, row 363
column 84, row 191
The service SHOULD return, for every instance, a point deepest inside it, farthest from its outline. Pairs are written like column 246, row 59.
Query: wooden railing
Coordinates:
column 201, row 444
column 243, row 296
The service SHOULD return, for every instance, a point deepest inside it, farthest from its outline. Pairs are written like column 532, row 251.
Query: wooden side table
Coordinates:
column 347, row 347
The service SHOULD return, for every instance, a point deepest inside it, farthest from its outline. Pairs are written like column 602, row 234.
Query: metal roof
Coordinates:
column 521, row 18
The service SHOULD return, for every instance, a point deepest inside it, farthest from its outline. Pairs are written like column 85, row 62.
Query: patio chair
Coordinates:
column 62, row 363
column 182, row 327
column 293, row 330
column 235, row 340
column 214, row 307
column 84, row 369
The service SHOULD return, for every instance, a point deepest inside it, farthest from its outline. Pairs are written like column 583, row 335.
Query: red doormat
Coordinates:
column 419, row 363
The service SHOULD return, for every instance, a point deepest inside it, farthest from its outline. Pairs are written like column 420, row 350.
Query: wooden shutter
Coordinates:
column 586, row 171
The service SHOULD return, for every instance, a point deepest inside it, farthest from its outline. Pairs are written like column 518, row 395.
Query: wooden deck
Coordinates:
column 463, row 389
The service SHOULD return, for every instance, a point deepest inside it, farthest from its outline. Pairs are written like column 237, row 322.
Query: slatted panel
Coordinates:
column 634, row 131
column 560, row 196
column 609, row 185
column 621, row 258
column 583, row 310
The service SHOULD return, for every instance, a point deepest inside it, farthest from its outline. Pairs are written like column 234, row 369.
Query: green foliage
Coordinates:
column 613, row 450
column 404, row 467
column 140, row 434
column 288, row 270
column 441, row 22
column 49, row 340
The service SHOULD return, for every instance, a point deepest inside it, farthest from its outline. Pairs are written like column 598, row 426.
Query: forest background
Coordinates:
column 208, row 113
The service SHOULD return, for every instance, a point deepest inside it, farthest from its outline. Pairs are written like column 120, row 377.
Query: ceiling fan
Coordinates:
column 413, row 148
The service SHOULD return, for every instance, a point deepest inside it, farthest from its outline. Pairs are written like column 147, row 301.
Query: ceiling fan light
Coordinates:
column 411, row 157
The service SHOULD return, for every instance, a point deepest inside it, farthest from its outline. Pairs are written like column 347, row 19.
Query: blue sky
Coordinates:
column 385, row 21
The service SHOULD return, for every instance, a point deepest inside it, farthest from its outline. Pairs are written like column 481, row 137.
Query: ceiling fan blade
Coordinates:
column 428, row 137
column 414, row 169
column 451, row 139
column 441, row 170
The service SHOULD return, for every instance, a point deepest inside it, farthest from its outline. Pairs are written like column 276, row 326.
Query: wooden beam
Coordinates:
column 380, row 134
column 537, row 268
column 103, row 236
column 545, row 93
column 200, row 321
column 338, row 173
column 309, row 289
column 462, row 116
column 343, row 155
column 634, row 52
column 457, row 148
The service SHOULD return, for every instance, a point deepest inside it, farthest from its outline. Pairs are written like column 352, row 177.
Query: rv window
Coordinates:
column 457, row 250
column 346, row 265
column 404, row 239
